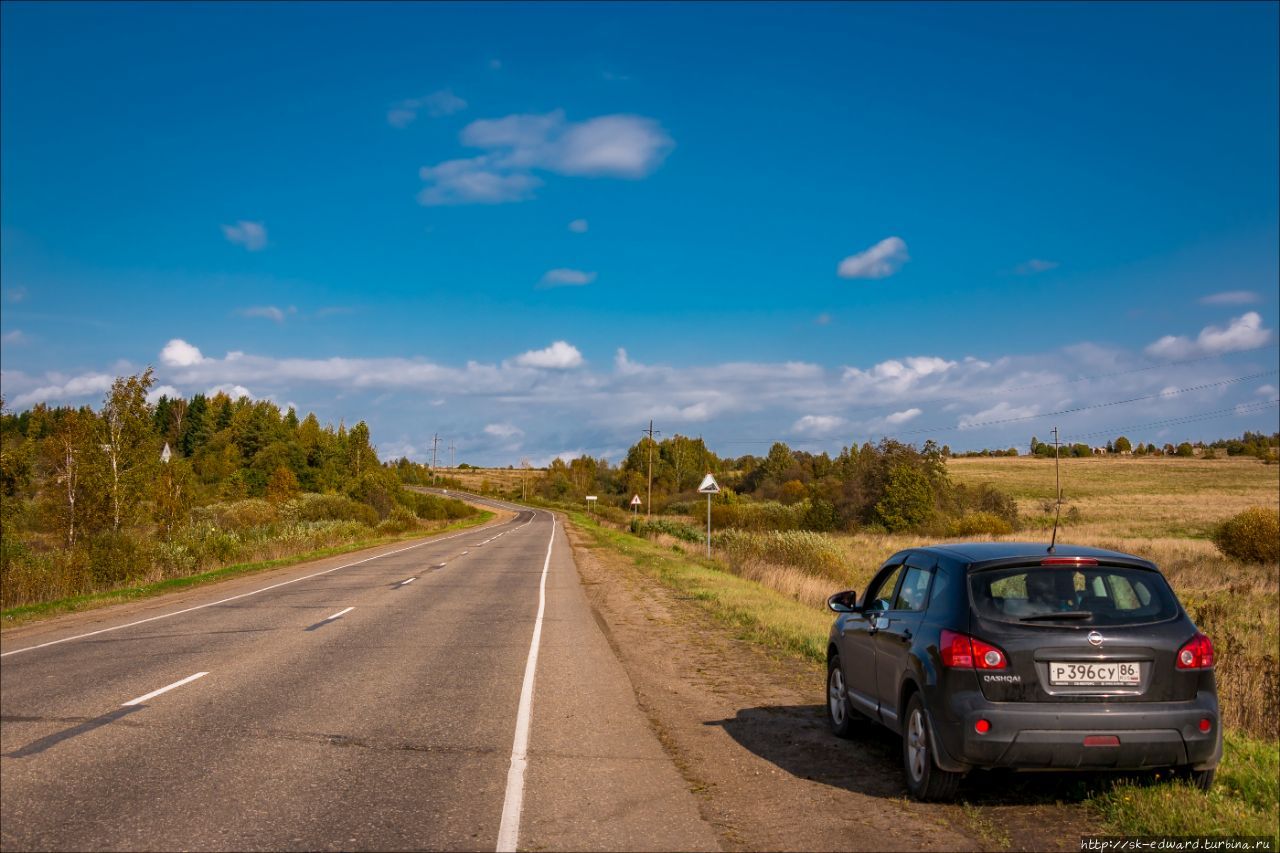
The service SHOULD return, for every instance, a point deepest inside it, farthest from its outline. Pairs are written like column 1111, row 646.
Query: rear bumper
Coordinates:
column 1051, row 736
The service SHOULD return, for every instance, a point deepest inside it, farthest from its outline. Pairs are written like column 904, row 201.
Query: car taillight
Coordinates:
column 1068, row 561
column 1197, row 654
column 960, row 651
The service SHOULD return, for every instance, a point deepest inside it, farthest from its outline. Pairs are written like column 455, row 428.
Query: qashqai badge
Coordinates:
column 1095, row 638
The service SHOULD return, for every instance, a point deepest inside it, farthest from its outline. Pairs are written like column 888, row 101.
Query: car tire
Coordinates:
column 925, row 779
column 1201, row 779
column 839, row 713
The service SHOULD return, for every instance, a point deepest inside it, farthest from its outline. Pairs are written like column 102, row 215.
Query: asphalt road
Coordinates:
column 369, row 701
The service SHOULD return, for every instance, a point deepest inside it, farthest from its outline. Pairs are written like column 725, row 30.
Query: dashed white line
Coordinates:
column 234, row 597
column 513, row 802
column 165, row 689
column 337, row 615
column 406, row 582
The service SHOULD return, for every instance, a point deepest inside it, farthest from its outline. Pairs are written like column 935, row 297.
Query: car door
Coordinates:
column 857, row 638
column 895, row 632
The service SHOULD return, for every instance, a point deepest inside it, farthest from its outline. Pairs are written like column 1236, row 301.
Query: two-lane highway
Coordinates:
column 379, row 701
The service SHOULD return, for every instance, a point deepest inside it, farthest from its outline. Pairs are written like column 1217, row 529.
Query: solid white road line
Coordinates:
column 509, row 829
column 405, row 582
column 337, row 615
column 166, row 689
column 235, row 597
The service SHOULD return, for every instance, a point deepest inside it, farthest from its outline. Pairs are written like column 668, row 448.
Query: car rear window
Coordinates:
column 1053, row 595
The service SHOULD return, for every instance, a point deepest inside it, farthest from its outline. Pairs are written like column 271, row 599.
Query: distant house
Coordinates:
column 1099, row 451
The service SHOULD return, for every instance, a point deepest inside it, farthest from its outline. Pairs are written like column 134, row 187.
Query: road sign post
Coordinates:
column 635, row 506
column 709, row 487
column 591, row 500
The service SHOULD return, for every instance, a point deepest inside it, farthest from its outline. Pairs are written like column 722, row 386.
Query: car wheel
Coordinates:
column 1202, row 779
column 925, row 780
column 839, row 714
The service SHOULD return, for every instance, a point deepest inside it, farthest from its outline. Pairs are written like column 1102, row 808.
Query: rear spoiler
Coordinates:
column 1061, row 561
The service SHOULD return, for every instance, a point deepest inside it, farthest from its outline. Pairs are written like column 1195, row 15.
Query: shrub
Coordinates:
column 813, row 553
column 908, row 500
column 333, row 508
column 115, row 558
column 684, row 532
column 979, row 524
column 400, row 520
column 240, row 515
column 1252, row 536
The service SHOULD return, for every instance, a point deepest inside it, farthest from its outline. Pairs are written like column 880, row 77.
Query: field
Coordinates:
column 771, row 589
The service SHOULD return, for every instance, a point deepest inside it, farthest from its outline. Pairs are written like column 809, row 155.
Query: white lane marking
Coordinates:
column 235, row 597
column 405, row 582
column 512, row 803
column 337, row 615
column 154, row 693
column 464, row 552
column 439, row 565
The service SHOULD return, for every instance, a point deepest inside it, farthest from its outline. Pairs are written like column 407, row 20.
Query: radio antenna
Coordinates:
column 1057, row 484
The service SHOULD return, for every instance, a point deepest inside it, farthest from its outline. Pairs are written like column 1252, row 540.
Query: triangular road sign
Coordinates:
column 709, row 485
column 635, row 500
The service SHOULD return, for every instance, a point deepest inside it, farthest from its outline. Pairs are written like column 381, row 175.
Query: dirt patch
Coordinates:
column 749, row 733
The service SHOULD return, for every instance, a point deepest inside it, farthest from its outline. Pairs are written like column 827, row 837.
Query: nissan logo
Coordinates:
column 1095, row 638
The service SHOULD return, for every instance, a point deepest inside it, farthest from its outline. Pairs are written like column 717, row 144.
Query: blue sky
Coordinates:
column 532, row 227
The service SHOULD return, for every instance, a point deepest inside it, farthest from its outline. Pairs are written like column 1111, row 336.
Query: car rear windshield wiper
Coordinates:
column 1066, row 614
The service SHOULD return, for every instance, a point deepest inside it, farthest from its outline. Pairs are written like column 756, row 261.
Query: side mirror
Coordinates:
column 844, row 602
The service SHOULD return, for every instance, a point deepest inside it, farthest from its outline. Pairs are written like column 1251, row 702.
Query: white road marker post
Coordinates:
column 709, row 487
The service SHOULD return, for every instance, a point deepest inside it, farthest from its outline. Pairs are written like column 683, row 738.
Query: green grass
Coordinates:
column 30, row 612
column 755, row 612
column 1244, row 800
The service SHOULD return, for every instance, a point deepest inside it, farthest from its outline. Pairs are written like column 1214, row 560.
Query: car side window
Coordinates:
column 914, row 593
column 881, row 596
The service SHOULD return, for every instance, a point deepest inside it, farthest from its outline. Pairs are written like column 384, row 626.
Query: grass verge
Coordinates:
column 15, row 616
column 1245, row 799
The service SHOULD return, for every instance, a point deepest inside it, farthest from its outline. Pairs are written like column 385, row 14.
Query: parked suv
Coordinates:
column 999, row 654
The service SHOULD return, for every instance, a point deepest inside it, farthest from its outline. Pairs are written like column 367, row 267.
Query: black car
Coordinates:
column 999, row 654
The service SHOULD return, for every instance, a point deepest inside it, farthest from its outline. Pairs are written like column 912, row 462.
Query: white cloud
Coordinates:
column 235, row 392
column 179, row 353
column 269, row 312
column 16, row 294
column 159, row 391
column 474, row 181
column 1231, row 297
column 817, row 425
column 617, row 146
column 1242, row 333
column 77, row 387
column 14, row 338
column 579, row 226
column 559, row 356
column 1266, row 391
column 823, row 319
column 881, row 260
column 251, row 235
column 898, row 375
column 503, row 431
column 999, row 412
column 1034, row 266
column 437, row 104
column 902, row 417
column 562, row 277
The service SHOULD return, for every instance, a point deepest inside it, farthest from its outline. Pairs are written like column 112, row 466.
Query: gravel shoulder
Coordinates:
column 748, row 733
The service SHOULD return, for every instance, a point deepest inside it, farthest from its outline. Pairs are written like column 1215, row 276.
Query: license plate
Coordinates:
column 1125, row 674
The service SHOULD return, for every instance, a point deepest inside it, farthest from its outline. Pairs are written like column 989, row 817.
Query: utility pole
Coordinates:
column 451, row 449
column 648, row 510
column 435, row 440
column 1057, row 486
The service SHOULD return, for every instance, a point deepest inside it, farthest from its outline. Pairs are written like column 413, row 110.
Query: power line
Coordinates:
column 1244, row 409
column 1022, row 418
